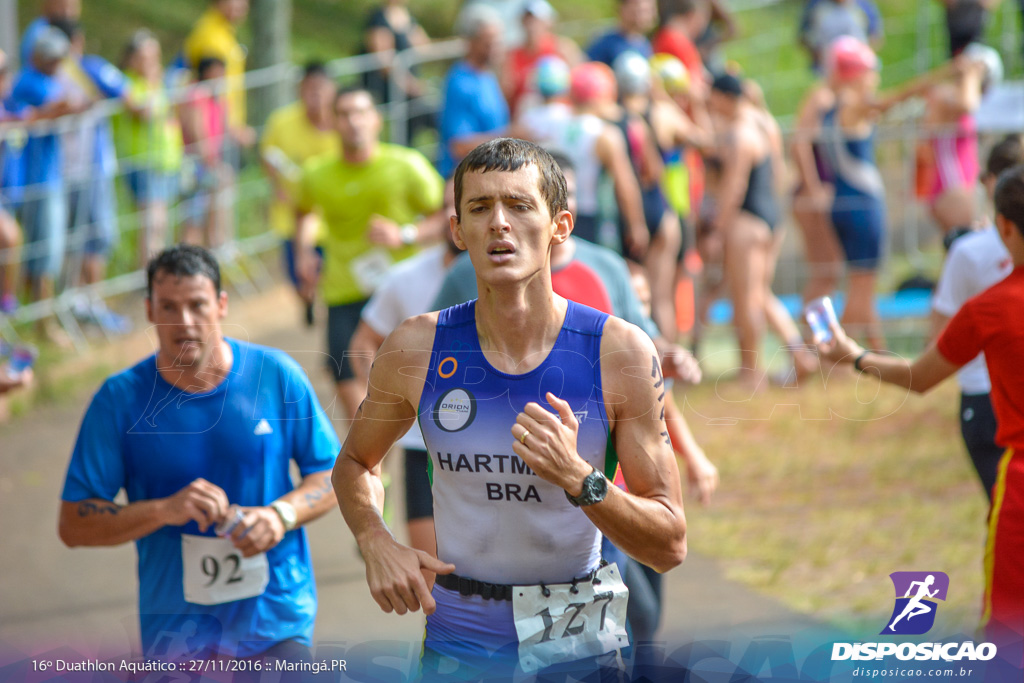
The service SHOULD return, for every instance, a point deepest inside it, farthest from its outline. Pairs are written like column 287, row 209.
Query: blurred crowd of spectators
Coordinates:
column 180, row 126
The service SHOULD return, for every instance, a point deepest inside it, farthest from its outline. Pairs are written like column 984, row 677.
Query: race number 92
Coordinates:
column 231, row 563
column 215, row 571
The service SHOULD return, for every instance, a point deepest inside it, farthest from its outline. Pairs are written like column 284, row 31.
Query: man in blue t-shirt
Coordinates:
column 10, row 232
column 201, row 436
column 636, row 19
column 474, row 108
column 90, row 164
column 38, row 94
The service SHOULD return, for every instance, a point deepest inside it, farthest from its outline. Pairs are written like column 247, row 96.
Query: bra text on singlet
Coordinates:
column 482, row 462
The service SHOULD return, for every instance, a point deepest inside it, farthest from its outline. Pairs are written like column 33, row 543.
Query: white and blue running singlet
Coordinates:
column 496, row 520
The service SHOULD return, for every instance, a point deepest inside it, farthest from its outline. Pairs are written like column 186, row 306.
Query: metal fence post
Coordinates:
column 9, row 31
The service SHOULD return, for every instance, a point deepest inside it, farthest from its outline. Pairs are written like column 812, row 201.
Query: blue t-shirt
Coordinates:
column 142, row 434
column 608, row 47
column 473, row 103
column 112, row 84
column 11, row 146
column 108, row 78
column 42, row 155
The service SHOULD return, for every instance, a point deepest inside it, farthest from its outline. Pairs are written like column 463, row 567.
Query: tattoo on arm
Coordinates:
column 87, row 508
column 659, row 383
column 316, row 495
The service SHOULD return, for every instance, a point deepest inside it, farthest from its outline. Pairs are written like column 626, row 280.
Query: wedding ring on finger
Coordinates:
column 522, row 438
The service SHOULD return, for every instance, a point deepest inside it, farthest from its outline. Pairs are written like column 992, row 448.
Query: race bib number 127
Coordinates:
column 568, row 624
column 216, row 572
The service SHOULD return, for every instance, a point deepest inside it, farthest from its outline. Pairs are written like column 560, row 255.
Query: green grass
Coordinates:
column 827, row 490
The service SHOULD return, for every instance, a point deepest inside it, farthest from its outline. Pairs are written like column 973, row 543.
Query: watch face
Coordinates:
column 595, row 486
column 287, row 514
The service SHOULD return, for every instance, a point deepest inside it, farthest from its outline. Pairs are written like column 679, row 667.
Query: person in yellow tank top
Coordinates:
column 294, row 134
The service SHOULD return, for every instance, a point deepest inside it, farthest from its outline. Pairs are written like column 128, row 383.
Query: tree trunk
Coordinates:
column 9, row 32
column 271, row 46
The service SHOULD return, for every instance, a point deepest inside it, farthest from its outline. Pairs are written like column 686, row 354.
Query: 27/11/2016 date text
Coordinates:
column 258, row 664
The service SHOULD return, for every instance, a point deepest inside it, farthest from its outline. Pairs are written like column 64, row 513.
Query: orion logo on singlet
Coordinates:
column 455, row 410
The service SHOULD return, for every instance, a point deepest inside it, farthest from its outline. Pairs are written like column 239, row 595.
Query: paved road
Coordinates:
column 84, row 599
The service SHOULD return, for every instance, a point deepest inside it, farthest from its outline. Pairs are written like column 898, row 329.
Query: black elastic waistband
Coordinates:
column 498, row 591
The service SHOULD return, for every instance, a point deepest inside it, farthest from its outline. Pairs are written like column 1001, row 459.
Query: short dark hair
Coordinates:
column 69, row 27
column 966, row 22
column 728, row 84
column 207, row 63
column 674, row 8
column 314, row 68
column 183, row 260
column 1009, row 196
column 563, row 161
column 511, row 154
column 1006, row 153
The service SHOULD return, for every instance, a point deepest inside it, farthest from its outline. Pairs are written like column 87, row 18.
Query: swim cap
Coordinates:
column 551, row 76
column 847, row 58
column 979, row 52
column 590, row 82
column 632, row 73
column 671, row 73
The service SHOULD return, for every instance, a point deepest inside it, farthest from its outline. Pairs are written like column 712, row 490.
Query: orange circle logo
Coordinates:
column 454, row 364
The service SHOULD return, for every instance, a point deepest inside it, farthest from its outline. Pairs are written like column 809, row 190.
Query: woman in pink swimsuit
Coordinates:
column 948, row 158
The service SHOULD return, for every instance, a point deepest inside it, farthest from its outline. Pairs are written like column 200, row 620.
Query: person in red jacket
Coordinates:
column 539, row 41
column 982, row 325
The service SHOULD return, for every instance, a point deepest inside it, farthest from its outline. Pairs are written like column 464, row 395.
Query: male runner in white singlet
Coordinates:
column 526, row 402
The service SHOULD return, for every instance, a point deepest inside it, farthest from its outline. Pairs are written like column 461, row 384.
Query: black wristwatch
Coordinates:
column 595, row 488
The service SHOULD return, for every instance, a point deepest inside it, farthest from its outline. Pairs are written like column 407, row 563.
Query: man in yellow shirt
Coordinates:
column 294, row 134
column 369, row 197
column 213, row 35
